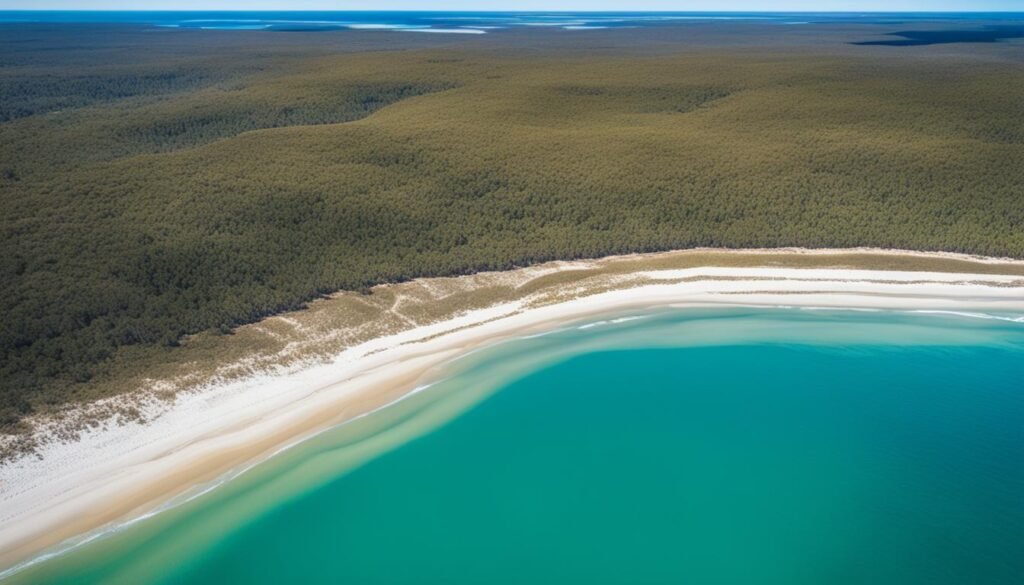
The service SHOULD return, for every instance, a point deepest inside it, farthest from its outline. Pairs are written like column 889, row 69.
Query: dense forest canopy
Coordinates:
column 155, row 185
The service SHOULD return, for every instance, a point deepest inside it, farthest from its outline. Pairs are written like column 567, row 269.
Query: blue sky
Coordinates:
column 710, row 5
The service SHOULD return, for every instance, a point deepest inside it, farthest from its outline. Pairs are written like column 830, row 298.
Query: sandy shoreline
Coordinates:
column 119, row 472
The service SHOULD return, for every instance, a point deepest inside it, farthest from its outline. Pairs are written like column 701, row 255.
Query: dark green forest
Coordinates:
column 154, row 186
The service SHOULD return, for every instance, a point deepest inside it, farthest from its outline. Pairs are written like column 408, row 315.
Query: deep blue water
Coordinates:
column 467, row 21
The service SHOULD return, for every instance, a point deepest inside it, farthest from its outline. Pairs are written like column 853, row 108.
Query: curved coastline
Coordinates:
column 125, row 472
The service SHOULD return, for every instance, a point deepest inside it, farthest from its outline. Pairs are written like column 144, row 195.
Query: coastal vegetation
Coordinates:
column 200, row 187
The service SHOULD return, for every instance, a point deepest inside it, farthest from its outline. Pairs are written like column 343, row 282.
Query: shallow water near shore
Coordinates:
column 704, row 446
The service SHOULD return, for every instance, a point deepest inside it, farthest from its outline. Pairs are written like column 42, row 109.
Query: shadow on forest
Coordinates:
column 912, row 38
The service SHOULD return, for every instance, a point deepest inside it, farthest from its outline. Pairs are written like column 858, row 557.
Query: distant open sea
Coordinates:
column 776, row 446
column 465, row 22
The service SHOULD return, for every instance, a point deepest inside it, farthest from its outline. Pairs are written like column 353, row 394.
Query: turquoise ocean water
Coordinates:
column 687, row 446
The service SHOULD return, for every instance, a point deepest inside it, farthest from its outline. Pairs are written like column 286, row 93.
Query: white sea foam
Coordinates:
column 709, row 18
column 973, row 315
column 236, row 27
column 611, row 322
column 856, row 309
column 376, row 26
column 456, row 31
column 223, row 20
column 543, row 334
column 473, row 18
column 562, row 24
column 338, row 22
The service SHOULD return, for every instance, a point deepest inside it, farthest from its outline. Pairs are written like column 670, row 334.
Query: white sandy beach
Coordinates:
column 116, row 473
